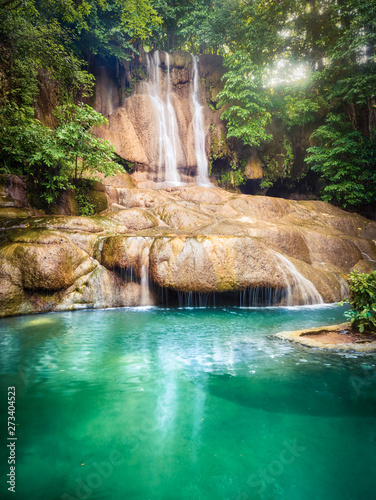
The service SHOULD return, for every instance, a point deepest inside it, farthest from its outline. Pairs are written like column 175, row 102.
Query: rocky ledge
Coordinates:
column 189, row 239
column 333, row 338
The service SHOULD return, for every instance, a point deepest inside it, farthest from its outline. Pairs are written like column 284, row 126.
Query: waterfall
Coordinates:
column 199, row 132
column 168, row 129
column 168, row 140
column 305, row 288
column 147, row 298
column 146, row 294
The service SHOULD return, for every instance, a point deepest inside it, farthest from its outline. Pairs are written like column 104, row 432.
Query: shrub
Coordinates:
column 362, row 299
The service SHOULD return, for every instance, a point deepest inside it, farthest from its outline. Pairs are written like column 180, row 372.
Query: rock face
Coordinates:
column 156, row 126
column 187, row 240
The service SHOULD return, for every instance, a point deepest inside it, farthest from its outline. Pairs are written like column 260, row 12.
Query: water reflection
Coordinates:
column 195, row 401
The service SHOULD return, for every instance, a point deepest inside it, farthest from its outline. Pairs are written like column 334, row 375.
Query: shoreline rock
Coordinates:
column 330, row 338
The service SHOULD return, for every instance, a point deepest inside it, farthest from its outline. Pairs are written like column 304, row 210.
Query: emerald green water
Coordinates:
column 185, row 404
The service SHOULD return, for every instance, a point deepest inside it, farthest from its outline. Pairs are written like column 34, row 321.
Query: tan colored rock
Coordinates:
column 326, row 337
column 197, row 194
column 46, row 261
column 213, row 263
column 134, row 219
column 191, row 239
column 285, row 238
column 120, row 252
column 262, row 207
column 122, row 180
column 147, row 198
column 125, row 126
column 253, row 168
column 103, row 289
column 331, row 249
column 180, row 217
column 12, row 296
column 65, row 223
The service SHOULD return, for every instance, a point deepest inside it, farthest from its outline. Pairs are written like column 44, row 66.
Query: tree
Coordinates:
column 248, row 112
column 335, row 41
column 346, row 160
column 54, row 159
column 362, row 287
column 198, row 26
column 84, row 152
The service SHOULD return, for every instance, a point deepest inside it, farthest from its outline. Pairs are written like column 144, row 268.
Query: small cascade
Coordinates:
column 147, row 298
column 202, row 178
column 300, row 286
column 260, row 297
column 168, row 129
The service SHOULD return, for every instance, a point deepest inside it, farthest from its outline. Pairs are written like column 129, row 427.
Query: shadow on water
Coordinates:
column 290, row 397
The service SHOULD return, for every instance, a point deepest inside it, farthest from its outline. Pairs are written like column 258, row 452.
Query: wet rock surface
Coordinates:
column 185, row 239
column 332, row 338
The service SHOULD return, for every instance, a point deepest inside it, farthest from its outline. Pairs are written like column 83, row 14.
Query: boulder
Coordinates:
column 45, row 261
column 188, row 239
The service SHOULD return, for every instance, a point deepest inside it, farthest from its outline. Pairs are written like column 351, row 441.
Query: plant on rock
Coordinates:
column 362, row 299
column 51, row 158
column 85, row 152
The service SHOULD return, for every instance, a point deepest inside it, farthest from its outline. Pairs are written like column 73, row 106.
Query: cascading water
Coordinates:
column 300, row 287
column 168, row 129
column 202, row 178
column 169, row 141
column 147, row 298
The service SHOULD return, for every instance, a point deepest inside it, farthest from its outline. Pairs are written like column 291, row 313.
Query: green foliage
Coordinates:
column 346, row 160
column 86, row 208
column 296, row 108
column 194, row 25
column 246, row 101
column 230, row 175
column 279, row 166
column 33, row 43
column 335, row 43
column 115, row 27
column 51, row 157
column 362, row 288
column 22, row 138
column 84, row 152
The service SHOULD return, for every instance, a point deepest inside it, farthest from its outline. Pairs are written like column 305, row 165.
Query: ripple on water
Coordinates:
column 198, row 403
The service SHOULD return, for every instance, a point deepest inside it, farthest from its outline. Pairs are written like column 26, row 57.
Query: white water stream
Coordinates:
column 300, row 287
column 168, row 128
column 169, row 140
column 202, row 178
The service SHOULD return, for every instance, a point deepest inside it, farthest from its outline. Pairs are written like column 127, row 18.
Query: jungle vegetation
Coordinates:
column 307, row 65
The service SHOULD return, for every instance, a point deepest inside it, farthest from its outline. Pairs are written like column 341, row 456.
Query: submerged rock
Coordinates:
column 186, row 239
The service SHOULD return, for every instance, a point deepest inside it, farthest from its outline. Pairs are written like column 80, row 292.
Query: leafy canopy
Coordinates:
column 362, row 288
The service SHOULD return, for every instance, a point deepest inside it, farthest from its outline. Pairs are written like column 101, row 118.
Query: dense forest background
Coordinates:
column 308, row 66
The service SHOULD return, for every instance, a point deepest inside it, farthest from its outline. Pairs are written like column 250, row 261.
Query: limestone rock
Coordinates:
column 119, row 252
column 46, row 261
column 134, row 219
column 191, row 239
column 180, row 217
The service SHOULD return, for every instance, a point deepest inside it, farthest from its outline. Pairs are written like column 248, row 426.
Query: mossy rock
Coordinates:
column 99, row 200
column 4, row 179
column 134, row 219
column 90, row 197
column 45, row 260
column 180, row 59
column 66, row 203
